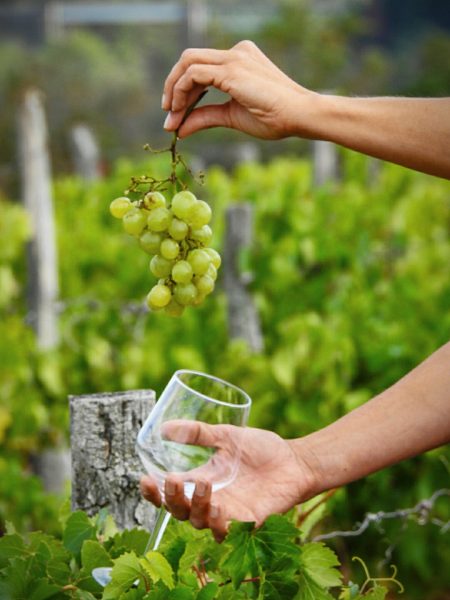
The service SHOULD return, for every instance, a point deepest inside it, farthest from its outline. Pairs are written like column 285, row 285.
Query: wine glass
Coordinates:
column 193, row 407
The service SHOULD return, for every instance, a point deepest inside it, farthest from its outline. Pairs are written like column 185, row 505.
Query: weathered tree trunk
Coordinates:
column 105, row 465
column 243, row 318
column 85, row 152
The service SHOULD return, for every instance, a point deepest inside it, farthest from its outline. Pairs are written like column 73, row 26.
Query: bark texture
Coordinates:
column 105, row 466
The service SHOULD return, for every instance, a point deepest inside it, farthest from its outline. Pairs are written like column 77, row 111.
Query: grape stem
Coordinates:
column 176, row 159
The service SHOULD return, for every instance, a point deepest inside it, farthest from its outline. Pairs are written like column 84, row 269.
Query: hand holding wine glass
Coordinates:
column 271, row 479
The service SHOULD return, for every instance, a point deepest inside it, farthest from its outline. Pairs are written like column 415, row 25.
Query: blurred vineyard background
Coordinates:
column 350, row 276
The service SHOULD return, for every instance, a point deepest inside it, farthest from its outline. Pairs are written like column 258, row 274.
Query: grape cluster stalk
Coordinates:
column 176, row 233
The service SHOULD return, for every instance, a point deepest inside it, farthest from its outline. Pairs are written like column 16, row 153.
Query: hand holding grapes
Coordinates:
column 271, row 479
column 266, row 103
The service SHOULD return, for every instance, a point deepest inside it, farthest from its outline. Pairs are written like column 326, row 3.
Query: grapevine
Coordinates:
column 175, row 232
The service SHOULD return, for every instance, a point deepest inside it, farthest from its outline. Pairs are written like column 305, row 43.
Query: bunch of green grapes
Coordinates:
column 177, row 235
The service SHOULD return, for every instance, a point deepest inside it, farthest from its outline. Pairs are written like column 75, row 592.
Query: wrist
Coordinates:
column 311, row 473
column 326, row 460
column 311, row 114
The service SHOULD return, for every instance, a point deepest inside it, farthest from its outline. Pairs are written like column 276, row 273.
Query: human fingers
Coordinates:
column 175, row 500
column 198, row 75
column 174, row 119
column 217, row 523
column 197, row 433
column 207, row 56
column 200, row 504
column 205, row 117
column 149, row 490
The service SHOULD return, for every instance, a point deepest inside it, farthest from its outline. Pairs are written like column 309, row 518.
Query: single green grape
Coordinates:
column 178, row 229
column 199, row 261
column 120, row 206
column 200, row 298
column 182, row 272
column 212, row 272
column 154, row 200
column 150, row 241
column 182, row 204
column 173, row 309
column 204, row 284
column 199, row 214
column 169, row 249
column 134, row 221
column 160, row 266
column 202, row 235
column 159, row 219
column 215, row 257
column 159, row 296
column 185, row 293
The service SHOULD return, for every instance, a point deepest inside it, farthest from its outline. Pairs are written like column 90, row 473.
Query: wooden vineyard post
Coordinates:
column 85, row 152
column 243, row 318
column 325, row 162
column 105, row 466
column 35, row 172
column 52, row 465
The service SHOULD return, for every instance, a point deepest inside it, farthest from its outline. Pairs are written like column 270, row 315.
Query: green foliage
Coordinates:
column 352, row 285
column 265, row 564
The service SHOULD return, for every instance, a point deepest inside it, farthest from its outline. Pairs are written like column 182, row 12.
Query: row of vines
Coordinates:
column 352, row 284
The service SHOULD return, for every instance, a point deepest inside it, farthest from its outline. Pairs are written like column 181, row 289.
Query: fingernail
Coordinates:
column 200, row 488
column 163, row 101
column 213, row 511
column 170, row 488
column 168, row 121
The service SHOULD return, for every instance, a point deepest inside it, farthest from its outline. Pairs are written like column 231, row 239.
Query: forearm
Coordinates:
column 409, row 418
column 414, row 132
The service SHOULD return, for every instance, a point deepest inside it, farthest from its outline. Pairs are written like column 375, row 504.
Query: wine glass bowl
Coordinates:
column 174, row 439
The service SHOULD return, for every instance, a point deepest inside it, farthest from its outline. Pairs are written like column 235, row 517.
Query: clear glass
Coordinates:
column 164, row 442
column 168, row 442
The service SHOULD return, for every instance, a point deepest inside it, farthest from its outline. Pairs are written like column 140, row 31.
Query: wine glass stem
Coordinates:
column 162, row 518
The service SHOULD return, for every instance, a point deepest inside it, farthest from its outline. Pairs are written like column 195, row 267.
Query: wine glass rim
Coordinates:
column 179, row 372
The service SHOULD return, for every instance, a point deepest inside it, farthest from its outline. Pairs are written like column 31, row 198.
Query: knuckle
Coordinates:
column 245, row 45
column 191, row 71
column 186, row 55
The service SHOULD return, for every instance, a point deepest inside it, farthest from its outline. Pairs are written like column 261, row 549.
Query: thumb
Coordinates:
column 205, row 117
column 196, row 433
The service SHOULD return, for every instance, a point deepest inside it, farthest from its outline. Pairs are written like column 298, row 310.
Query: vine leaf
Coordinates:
column 132, row 540
column 278, row 583
column 94, row 555
column 83, row 595
column 158, row 567
column 310, row 590
column 20, row 582
column 11, row 546
column 242, row 557
column 255, row 550
column 209, row 592
column 320, row 563
column 375, row 593
column 127, row 569
column 78, row 529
